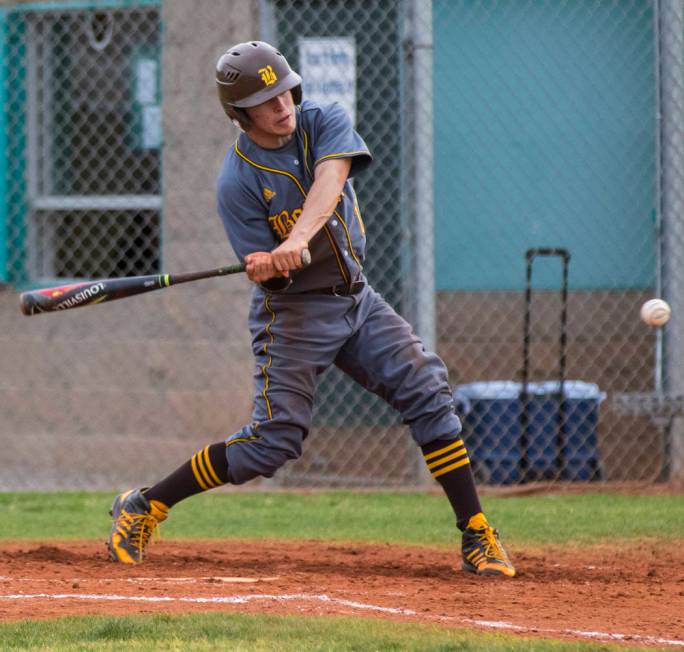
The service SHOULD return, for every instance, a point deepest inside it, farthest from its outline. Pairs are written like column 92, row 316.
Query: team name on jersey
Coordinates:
column 282, row 223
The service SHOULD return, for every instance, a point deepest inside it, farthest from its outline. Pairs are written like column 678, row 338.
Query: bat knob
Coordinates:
column 306, row 257
column 27, row 303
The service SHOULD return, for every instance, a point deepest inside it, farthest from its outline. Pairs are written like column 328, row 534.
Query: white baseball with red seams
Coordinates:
column 656, row 312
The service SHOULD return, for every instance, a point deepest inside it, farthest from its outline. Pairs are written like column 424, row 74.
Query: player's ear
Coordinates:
column 239, row 117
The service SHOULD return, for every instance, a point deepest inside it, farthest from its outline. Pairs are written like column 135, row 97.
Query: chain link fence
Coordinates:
column 525, row 200
column 83, row 129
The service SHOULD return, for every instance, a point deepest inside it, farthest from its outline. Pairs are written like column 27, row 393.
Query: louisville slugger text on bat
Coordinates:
column 76, row 295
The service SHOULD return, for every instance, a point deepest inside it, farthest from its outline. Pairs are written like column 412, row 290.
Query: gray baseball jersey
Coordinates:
column 328, row 314
column 257, row 183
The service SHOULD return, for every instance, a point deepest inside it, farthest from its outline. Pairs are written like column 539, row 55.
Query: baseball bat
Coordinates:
column 88, row 293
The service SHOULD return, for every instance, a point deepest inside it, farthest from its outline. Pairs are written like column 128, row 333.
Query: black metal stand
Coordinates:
column 525, row 472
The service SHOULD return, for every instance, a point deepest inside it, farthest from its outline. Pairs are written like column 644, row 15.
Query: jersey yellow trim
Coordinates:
column 333, row 246
column 349, row 242
column 339, row 217
column 345, row 274
column 341, row 155
column 306, row 154
column 274, row 170
column 357, row 212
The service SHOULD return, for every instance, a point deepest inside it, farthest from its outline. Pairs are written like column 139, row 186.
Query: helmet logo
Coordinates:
column 268, row 76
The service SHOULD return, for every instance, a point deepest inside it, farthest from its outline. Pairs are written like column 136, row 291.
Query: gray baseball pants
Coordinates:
column 297, row 337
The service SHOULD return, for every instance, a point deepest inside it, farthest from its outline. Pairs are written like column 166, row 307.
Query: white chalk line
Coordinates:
column 606, row 636
column 202, row 580
column 209, row 579
column 323, row 598
column 230, row 599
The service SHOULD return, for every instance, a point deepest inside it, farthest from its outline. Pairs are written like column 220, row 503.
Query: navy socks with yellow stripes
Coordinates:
column 206, row 469
column 448, row 462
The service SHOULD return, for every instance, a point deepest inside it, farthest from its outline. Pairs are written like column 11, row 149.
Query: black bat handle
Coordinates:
column 166, row 280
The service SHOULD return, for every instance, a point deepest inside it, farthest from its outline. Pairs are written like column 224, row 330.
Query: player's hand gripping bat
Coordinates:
column 88, row 293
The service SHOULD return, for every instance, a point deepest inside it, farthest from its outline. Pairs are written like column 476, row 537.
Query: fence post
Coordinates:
column 424, row 295
column 671, row 26
column 424, row 183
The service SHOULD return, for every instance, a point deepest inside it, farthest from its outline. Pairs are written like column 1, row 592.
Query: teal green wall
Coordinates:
column 13, row 156
column 4, row 271
column 544, row 136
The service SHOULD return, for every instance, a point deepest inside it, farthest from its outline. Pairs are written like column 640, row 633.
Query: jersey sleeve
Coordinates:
column 335, row 137
column 243, row 215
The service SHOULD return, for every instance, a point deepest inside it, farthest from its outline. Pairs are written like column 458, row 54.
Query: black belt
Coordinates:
column 341, row 290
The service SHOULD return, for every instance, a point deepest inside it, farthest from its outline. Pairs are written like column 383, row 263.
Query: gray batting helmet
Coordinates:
column 251, row 73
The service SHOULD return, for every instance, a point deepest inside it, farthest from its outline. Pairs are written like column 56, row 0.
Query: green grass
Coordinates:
column 262, row 633
column 406, row 518
column 411, row 518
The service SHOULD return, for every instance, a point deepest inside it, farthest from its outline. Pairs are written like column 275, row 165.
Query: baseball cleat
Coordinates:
column 134, row 519
column 482, row 551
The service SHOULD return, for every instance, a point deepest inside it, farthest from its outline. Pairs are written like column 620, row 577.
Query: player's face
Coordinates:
column 273, row 122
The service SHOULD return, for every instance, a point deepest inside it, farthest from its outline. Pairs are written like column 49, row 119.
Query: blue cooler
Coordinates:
column 561, row 438
column 540, row 452
column 559, row 444
column 581, row 460
column 490, row 413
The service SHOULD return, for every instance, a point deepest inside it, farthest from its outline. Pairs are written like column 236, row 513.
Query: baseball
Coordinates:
column 656, row 312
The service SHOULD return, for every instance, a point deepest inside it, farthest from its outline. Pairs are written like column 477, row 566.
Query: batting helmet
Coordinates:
column 251, row 73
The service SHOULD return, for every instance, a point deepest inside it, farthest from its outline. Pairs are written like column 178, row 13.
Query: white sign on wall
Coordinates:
column 146, row 95
column 328, row 70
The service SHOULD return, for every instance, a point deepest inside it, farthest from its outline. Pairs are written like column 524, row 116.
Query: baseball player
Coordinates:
column 284, row 189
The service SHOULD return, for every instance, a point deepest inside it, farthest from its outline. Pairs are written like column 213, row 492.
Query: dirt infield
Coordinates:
column 633, row 594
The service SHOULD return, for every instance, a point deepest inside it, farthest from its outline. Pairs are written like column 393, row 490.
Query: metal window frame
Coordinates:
column 39, row 166
column 83, row 4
